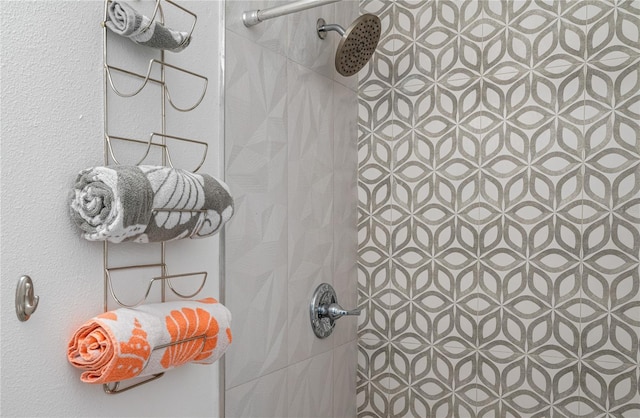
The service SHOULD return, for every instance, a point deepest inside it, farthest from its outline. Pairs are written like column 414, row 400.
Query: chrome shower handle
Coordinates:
column 335, row 311
column 324, row 310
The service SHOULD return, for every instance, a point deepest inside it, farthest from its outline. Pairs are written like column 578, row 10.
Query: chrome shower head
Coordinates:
column 357, row 45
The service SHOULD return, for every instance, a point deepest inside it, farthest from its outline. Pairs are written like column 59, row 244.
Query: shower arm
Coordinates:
column 254, row 17
column 324, row 27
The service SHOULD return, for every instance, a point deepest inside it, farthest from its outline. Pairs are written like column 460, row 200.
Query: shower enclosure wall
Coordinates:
column 291, row 161
column 499, row 210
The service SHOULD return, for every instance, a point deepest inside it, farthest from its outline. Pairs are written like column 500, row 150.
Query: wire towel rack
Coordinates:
column 159, row 140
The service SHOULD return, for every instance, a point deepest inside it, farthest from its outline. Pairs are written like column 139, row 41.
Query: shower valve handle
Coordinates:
column 324, row 310
column 335, row 311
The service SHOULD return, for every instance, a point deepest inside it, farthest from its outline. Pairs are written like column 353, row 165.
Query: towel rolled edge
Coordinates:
column 124, row 20
column 135, row 189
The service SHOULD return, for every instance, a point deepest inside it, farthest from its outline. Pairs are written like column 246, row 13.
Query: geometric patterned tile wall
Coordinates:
column 499, row 210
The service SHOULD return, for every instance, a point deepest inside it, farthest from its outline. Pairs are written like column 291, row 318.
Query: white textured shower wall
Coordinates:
column 51, row 128
column 291, row 161
column 499, row 214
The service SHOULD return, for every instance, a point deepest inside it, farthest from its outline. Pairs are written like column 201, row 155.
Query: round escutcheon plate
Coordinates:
column 322, row 325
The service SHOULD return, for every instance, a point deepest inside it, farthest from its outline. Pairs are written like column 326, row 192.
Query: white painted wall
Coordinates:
column 51, row 127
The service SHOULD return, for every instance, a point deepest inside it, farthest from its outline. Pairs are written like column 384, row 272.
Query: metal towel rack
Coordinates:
column 146, row 78
column 156, row 139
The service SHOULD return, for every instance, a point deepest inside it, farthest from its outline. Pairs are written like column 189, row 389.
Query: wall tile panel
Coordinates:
column 271, row 34
column 305, row 46
column 256, row 170
column 345, row 206
column 310, row 202
column 514, row 205
column 296, row 213
column 265, row 396
column 613, row 29
column 372, row 382
column 310, row 387
column 345, row 364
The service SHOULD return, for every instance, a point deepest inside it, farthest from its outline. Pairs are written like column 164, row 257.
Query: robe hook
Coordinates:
column 26, row 302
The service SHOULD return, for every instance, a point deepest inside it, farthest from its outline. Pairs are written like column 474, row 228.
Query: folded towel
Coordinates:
column 120, row 203
column 126, row 21
column 126, row 343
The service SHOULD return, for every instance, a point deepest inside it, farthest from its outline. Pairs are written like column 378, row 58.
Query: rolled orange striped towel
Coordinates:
column 130, row 342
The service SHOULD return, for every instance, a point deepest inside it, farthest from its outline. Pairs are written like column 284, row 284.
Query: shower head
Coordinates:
column 357, row 44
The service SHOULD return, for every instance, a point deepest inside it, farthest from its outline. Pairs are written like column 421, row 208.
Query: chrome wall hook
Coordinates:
column 26, row 302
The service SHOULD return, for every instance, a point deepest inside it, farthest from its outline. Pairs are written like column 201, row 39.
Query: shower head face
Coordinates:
column 358, row 44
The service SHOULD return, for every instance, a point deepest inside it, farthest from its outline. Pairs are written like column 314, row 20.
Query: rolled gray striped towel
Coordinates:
column 148, row 204
column 126, row 21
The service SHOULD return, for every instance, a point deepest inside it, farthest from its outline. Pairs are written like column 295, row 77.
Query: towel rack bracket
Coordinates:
column 114, row 388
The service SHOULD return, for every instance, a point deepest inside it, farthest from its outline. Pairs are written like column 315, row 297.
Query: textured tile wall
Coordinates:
column 499, row 210
column 291, row 162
